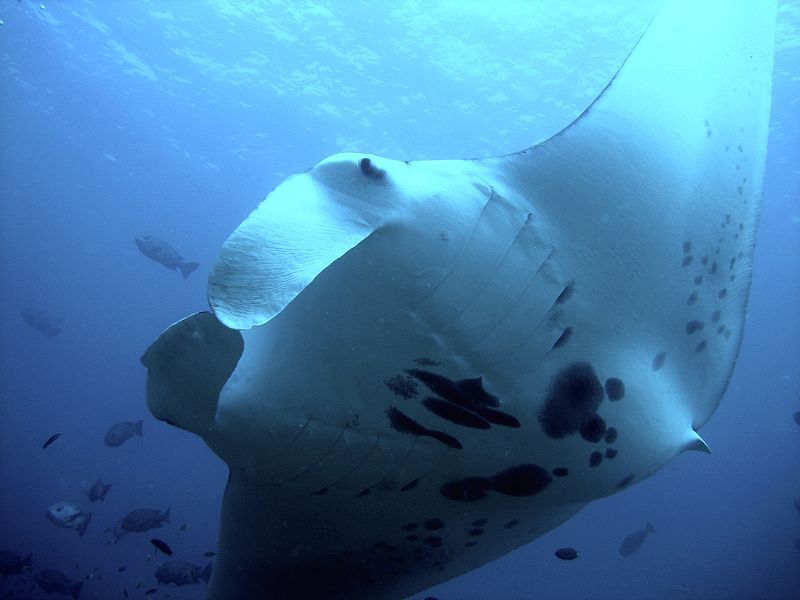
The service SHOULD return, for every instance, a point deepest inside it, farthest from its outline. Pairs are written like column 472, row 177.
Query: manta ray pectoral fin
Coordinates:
column 696, row 443
column 187, row 366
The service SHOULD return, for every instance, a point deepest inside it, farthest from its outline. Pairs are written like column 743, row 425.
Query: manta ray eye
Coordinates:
column 370, row 170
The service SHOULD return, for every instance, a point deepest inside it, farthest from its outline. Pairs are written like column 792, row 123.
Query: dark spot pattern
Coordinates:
column 433, row 524
column 700, row 346
column 611, row 435
column 561, row 471
column 593, row 429
column 480, row 522
column 694, row 326
column 454, row 413
column 475, row 531
column 469, row 394
column 433, row 541
column 704, row 260
column 722, row 293
column 401, row 422
column 692, row 298
column 404, row 387
column 715, row 316
column 511, row 524
column 698, row 280
column 687, row 247
column 615, row 388
column 574, row 395
column 687, row 260
column 610, row 453
column 595, row 458
column 520, row 481
column 713, row 268
column 659, row 360
column 409, row 526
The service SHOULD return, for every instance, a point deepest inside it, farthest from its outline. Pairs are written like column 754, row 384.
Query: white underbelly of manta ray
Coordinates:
column 413, row 368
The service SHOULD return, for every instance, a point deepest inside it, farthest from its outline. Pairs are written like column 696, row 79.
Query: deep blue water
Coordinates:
column 176, row 118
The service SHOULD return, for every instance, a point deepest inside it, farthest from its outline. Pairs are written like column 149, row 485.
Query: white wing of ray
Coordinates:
column 438, row 361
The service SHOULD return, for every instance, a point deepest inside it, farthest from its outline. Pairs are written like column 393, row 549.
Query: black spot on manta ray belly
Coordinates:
column 454, row 413
column 403, row 386
column 574, row 395
column 401, row 422
column 520, row 481
column 468, row 394
column 659, row 360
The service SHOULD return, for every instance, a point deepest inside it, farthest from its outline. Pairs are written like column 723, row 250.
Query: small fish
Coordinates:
column 120, row 432
column 209, row 554
column 634, row 541
column 161, row 252
column 41, row 321
column 183, row 527
column 122, row 568
column 51, row 439
column 162, row 545
column 151, row 591
column 566, row 553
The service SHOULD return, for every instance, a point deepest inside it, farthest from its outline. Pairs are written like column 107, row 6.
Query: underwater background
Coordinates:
column 175, row 118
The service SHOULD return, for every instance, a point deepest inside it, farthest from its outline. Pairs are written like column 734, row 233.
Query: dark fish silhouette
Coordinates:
column 181, row 572
column 143, row 519
column 161, row 252
column 162, row 545
column 41, row 321
column 121, row 432
column 51, row 439
column 69, row 516
column 122, row 568
column 209, row 554
column 52, row 581
column 151, row 591
column 566, row 553
column 634, row 541
column 98, row 491
column 13, row 564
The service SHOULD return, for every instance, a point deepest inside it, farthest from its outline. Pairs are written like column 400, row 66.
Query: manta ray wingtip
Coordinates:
column 696, row 443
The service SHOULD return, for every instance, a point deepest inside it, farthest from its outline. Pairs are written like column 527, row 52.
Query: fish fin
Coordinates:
column 53, row 332
column 84, row 523
column 650, row 527
column 187, row 268
column 105, row 491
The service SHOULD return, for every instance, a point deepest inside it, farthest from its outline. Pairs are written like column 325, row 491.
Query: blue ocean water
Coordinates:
column 174, row 119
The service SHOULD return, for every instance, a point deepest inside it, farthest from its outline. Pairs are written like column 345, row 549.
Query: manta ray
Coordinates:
column 414, row 367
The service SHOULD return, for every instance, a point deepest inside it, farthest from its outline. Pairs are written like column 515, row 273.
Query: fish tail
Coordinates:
column 105, row 491
column 650, row 527
column 205, row 574
column 138, row 428
column 187, row 268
